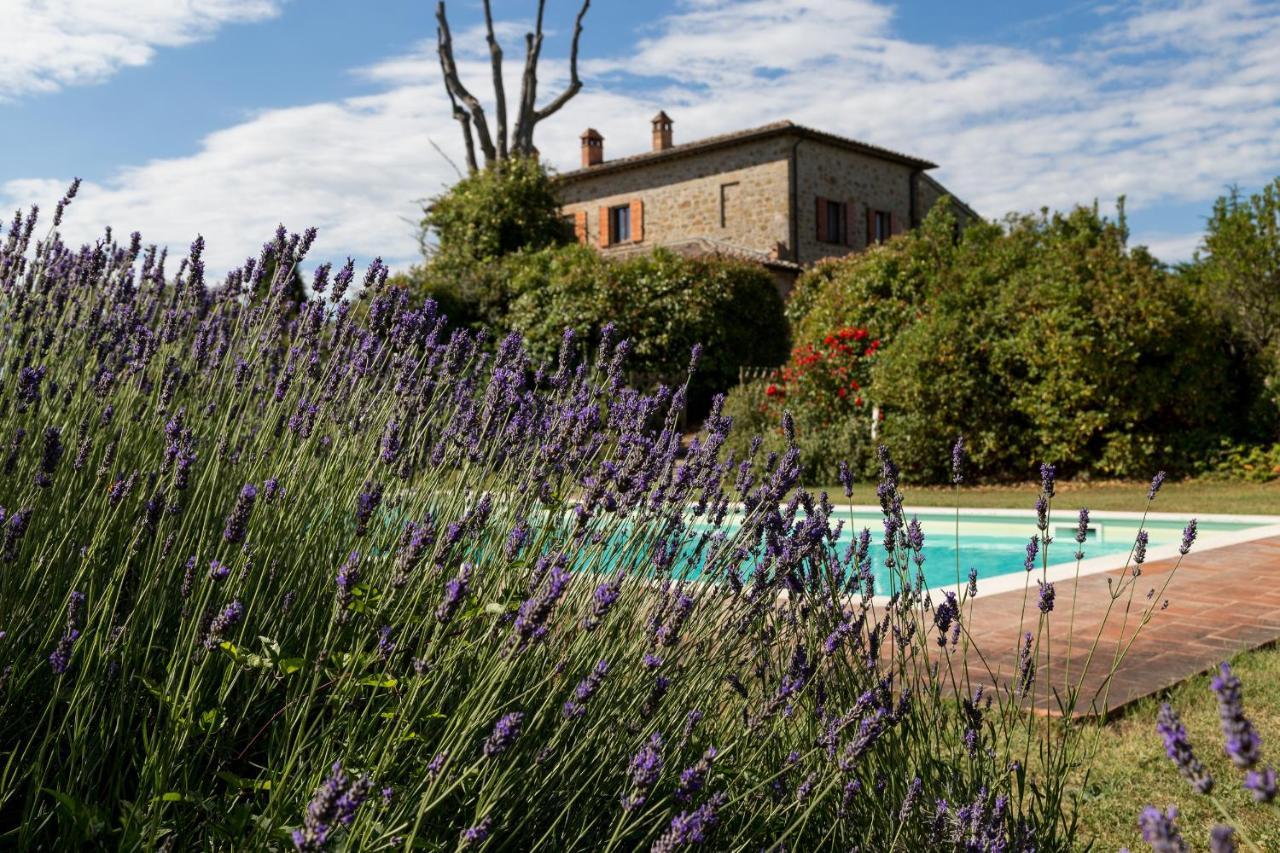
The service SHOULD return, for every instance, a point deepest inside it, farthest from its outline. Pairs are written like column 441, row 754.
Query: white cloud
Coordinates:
column 1165, row 103
column 48, row 44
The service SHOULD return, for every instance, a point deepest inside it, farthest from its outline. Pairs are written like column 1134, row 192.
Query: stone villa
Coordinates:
column 781, row 194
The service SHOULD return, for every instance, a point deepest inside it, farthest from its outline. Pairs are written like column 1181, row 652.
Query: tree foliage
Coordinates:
column 1044, row 336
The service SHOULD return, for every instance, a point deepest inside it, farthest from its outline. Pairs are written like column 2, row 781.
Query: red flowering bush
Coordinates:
column 823, row 383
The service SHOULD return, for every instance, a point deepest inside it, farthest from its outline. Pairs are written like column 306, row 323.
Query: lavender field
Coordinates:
column 325, row 575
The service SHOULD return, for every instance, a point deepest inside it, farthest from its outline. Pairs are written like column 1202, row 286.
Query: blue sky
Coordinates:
column 224, row 117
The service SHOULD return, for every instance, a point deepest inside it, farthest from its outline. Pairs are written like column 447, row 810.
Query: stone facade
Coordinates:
column 685, row 198
column 782, row 194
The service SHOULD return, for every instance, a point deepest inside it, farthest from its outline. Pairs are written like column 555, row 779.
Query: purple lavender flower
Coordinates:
column 577, row 706
column 385, row 645
column 1033, row 548
column 60, row 657
column 1046, row 597
column 1188, row 537
column 348, row 577
column 1156, row 482
column 1140, row 550
column 957, row 461
column 846, row 478
column 1048, row 474
column 226, row 619
column 366, row 502
column 516, row 540
column 1262, row 784
column 1178, row 748
column 271, row 489
column 13, row 532
column 217, row 570
column 692, row 779
column 49, row 457
column 973, row 582
column 473, row 836
column 455, row 592
column 238, row 521
column 1222, row 839
column 602, row 601
column 437, row 764
column 1242, row 743
column 691, row 827
column 530, row 623
column 1160, row 830
column 334, row 804
column 1082, row 533
column 944, row 614
column 645, row 767
column 29, row 386
column 1026, row 666
column 390, row 442
column 505, row 732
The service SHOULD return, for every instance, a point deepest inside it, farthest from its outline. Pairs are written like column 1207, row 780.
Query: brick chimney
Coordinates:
column 662, row 132
column 592, row 147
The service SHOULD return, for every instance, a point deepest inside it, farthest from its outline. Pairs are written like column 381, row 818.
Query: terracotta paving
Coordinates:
column 1221, row 601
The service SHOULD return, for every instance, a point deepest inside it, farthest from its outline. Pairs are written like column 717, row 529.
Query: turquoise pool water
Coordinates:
column 996, row 545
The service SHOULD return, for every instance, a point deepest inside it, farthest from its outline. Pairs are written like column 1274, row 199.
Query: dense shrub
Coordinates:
column 663, row 302
column 1046, row 335
column 345, row 580
column 469, row 228
column 821, row 385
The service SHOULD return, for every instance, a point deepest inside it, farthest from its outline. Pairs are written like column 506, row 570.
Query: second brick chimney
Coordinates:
column 662, row 131
column 592, row 147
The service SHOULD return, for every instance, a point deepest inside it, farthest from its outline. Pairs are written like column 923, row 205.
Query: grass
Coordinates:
column 1194, row 496
column 1131, row 769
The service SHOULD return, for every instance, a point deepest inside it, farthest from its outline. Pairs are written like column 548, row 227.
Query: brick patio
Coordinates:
column 1221, row 601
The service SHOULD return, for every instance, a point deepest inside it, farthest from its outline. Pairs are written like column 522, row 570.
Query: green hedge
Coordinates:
column 663, row 302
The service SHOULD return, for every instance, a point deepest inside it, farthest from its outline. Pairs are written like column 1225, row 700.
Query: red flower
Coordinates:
column 772, row 391
column 842, row 392
column 857, row 401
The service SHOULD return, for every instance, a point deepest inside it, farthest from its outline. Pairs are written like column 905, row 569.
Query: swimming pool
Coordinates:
column 995, row 541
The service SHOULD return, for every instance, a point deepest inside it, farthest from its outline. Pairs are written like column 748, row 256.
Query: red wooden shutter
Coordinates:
column 893, row 223
column 845, row 207
column 603, row 239
column 871, row 227
column 580, row 226
column 821, row 218
column 637, row 220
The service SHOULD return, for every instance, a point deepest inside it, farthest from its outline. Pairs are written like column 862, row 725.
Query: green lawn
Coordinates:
column 1189, row 496
column 1131, row 769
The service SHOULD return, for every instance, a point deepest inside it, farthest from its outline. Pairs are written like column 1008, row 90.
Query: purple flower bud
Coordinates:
column 1243, row 745
column 957, row 461
column 1156, row 482
column 238, row 521
column 505, row 732
column 1188, row 537
column 455, row 592
column 1046, row 597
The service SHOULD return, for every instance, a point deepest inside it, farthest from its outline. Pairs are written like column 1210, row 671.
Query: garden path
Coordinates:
column 1221, row 601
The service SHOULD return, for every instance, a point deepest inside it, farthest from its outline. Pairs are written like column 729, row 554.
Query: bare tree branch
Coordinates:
column 463, row 117
column 575, row 85
column 523, row 139
column 454, row 84
column 499, row 91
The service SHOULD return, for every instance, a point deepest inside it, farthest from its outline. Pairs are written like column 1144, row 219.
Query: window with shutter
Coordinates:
column 580, row 226
column 845, row 207
column 637, row 220
column 821, row 218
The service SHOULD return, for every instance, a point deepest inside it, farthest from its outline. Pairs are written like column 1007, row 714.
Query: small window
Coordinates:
column 835, row 222
column 883, row 226
column 620, row 224
column 728, row 202
column 569, row 222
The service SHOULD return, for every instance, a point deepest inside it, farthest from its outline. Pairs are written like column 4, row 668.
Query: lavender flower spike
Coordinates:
column 1188, row 537
column 238, row 521
column 1156, row 482
column 1222, row 839
column 1160, row 831
column 1242, row 743
column 505, row 732
column 957, row 461
column 1178, row 748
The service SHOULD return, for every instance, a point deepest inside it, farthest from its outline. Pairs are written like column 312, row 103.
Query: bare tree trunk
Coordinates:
column 470, row 113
